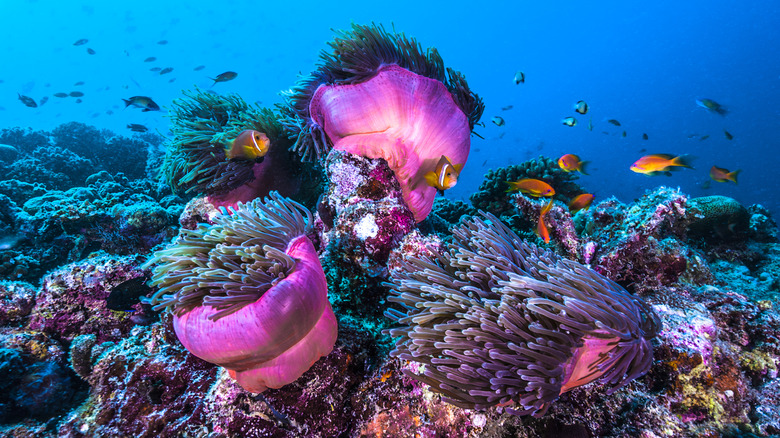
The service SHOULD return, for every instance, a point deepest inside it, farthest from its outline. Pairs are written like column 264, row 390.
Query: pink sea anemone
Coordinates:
column 499, row 322
column 204, row 125
column 380, row 96
column 248, row 293
column 405, row 118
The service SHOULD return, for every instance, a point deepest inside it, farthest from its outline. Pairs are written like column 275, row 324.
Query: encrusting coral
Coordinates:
column 248, row 293
column 378, row 95
column 497, row 321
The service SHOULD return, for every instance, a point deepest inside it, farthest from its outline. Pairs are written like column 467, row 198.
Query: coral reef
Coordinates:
column 643, row 246
column 718, row 218
column 141, row 386
column 492, row 194
column 111, row 214
column 73, row 300
column 369, row 214
column 477, row 318
column 78, row 190
column 37, row 383
column 65, row 157
column 16, row 301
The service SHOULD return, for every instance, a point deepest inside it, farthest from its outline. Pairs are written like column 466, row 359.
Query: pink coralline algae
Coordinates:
column 72, row 300
column 248, row 293
column 16, row 301
column 402, row 117
column 142, row 386
column 643, row 244
column 370, row 216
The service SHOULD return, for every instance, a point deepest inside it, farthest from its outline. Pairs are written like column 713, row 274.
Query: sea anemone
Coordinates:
column 203, row 125
column 498, row 321
column 380, row 96
column 248, row 293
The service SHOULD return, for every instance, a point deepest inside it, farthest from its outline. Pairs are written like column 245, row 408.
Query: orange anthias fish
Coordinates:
column 580, row 202
column 531, row 187
column 572, row 163
column 445, row 175
column 541, row 228
column 659, row 163
column 249, row 145
column 720, row 174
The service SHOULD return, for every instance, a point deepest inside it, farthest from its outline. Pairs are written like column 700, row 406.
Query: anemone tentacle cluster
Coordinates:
column 248, row 293
column 380, row 96
column 203, row 124
column 497, row 321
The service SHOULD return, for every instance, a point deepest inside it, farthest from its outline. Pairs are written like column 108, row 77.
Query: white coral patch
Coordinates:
column 366, row 228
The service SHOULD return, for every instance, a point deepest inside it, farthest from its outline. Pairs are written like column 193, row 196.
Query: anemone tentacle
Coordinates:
column 357, row 56
column 231, row 263
column 203, row 124
column 496, row 320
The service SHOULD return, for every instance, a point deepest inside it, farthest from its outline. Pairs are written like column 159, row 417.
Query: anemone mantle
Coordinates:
column 407, row 119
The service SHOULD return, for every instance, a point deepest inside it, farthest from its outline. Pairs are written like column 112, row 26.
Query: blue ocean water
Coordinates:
column 643, row 64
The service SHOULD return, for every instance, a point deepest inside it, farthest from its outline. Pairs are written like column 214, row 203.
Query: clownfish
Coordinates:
column 445, row 176
column 541, row 228
column 580, row 202
column 249, row 145
column 572, row 163
column 532, row 187
column 720, row 174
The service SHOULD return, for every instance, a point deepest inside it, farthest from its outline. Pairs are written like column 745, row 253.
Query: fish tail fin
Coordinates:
column 583, row 164
column 512, row 187
column 683, row 161
column 546, row 209
column 721, row 110
column 733, row 175
column 127, row 103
